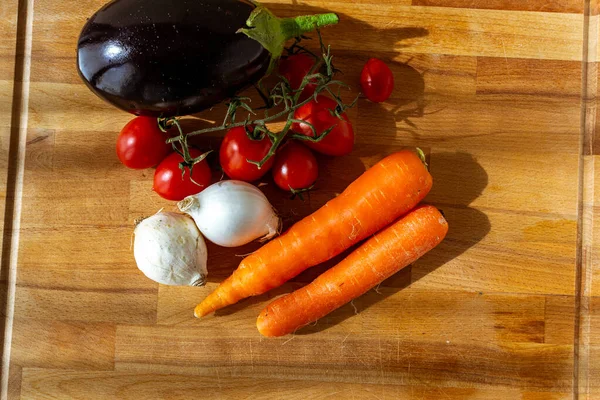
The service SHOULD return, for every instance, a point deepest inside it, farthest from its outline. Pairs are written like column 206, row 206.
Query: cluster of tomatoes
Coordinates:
column 141, row 144
column 294, row 166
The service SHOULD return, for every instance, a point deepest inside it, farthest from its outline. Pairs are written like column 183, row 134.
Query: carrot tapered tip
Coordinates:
column 201, row 311
column 213, row 301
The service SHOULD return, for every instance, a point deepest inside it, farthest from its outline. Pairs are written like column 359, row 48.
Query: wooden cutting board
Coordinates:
column 502, row 96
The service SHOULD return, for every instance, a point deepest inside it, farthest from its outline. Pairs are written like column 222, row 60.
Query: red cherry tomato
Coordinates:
column 295, row 167
column 294, row 68
column 377, row 80
column 171, row 185
column 237, row 148
column 339, row 141
column 141, row 144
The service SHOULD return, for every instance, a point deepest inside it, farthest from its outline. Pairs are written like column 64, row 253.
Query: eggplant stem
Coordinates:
column 272, row 32
column 297, row 26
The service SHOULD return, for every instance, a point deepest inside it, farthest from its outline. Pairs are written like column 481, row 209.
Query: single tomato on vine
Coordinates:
column 377, row 80
column 295, row 167
column 141, row 144
column 169, row 182
column 294, row 68
column 237, row 148
column 339, row 141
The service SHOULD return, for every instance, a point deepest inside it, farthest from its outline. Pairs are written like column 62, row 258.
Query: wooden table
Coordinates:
column 502, row 96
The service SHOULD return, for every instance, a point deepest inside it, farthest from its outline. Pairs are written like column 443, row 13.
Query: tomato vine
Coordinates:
column 282, row 95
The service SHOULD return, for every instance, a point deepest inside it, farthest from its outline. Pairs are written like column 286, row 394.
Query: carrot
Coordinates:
column 389, row 189
column 377, row 259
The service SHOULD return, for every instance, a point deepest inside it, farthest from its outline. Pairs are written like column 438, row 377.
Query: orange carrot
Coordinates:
column 388, row 190
column 377, row 259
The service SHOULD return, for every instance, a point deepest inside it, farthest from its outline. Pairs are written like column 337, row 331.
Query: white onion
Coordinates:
column 169, row 249
column 232, row 213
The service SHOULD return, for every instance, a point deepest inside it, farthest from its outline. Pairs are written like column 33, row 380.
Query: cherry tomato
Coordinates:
column 294, row 68
column 377, row 80
column 141, row 144
column 295, row 167
column 339, row 141
column 171, row 185
column 237, row 148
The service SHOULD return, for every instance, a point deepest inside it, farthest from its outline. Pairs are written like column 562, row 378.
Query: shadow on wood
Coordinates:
column 396, row 116
column 467, row 228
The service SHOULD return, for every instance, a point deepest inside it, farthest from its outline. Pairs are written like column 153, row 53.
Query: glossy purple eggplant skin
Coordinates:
column 165, row 58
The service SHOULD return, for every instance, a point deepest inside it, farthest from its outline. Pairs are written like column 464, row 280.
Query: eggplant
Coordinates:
column 164, row 58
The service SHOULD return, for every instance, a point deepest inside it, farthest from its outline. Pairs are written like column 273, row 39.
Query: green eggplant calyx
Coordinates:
column 272, row 32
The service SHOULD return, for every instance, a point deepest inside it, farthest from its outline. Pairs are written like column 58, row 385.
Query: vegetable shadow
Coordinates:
column 460, row 180
column 398, row 116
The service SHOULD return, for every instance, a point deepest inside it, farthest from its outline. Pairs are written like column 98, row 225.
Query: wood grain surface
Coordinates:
column 502, row 97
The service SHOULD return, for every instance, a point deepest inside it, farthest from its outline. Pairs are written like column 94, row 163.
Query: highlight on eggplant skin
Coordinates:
column 164, row 58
